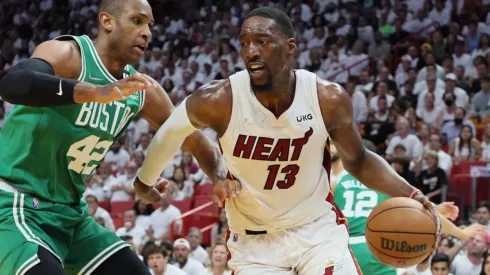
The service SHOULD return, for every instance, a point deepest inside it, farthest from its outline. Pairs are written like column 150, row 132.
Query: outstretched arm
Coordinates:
column 367, row 167
column 206, row 108
column 48, row 78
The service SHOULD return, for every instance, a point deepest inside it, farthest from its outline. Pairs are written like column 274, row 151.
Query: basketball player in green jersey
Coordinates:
column 356, row 202
column 74, row 98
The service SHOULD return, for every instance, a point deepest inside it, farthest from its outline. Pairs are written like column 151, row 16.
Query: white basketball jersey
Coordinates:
column 279, row 161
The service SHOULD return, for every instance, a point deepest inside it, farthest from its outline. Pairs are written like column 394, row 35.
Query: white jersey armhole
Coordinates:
column 236, row 88
column 316, row 105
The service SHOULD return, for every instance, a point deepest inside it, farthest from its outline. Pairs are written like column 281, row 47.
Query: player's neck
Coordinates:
column 337, row 167
column 110, row 61
column 281, row 95
column 218, row 269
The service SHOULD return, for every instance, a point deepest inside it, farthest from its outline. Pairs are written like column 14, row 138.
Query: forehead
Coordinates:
column 139, row 7
column 257, row 25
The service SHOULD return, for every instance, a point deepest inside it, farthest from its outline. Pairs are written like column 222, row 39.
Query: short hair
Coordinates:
column 113, row 7
column 156, row 249
column 280, row 18
column 485, row 205
column 439, row 257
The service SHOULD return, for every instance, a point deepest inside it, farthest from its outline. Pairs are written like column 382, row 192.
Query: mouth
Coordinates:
column 141, row 48
column 256, row 68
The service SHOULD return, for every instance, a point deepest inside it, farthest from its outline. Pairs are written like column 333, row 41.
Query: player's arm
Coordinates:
column 206, row 108
column 48, row 78
column 365, row 166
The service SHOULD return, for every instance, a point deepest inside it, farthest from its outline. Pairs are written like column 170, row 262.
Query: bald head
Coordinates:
column 113, row 7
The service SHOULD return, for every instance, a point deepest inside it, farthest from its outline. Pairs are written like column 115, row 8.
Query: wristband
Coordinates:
column 414, row 192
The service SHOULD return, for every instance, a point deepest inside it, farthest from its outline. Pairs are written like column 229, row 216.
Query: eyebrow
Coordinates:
column 147, row 17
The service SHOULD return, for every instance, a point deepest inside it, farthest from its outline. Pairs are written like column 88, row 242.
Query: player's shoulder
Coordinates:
column 214, row 91
column 328, row 90
column 334, row 102
column 63, row 55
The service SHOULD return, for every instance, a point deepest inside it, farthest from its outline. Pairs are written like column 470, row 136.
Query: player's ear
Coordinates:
column 106, row 21
column 291, row 43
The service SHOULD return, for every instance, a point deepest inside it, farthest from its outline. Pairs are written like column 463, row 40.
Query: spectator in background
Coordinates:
column 96, row 211
column 439, row 264
column 219, row 228
column 471, row 262
column 422, row 268
column 485, row 144
column 485, row 269
column 162, row 218
column 131, row 229
column 479, row 103
column 410, row 141
column 219, row 261
column 432, row 180
column 431, row 89
column 198, row 253
column 138, row 157
column 143, row 142
column 451, row 129
column 382, row 113
column 121, row 189
column 447, row 112
column 117, row 155
column 187, row 163
column 444, row 160
column 460, row 96
column 182, row 251
column 429, row 112
column 381, row 90
column 179, row 187
column 483, row 214
column 140, row 126
column 157, row 261
column 359, row 102
column 143, row 212
column 444, row 245
column 465, row 147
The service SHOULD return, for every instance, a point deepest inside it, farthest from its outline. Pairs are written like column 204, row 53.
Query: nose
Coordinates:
column 146, row 34
column 252, row 51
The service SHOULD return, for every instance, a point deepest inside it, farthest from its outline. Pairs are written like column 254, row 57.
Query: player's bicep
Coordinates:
column 157, row 106
column 63, row 57
column 337, row 111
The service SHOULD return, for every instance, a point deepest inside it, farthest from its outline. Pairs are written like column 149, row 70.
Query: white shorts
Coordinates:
column 318, row 248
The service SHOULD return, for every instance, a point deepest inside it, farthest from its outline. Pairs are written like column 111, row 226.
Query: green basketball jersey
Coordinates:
column 50, row 151
column 356, row 202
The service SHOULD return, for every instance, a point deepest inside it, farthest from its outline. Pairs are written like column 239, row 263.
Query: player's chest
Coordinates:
column 106, row 119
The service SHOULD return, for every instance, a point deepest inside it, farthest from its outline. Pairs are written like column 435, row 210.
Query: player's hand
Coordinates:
column 123, row 88
column 150, row 194
column 224, row 190
column 448, row 210
column 473, row 230
column 435, row 215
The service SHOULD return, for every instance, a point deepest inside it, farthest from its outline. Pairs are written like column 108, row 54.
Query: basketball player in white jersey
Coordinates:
column 274, row 124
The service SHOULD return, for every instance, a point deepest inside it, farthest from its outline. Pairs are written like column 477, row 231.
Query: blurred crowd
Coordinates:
column 417, row 72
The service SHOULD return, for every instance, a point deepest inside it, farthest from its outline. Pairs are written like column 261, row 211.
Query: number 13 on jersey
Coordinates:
column 290, row 171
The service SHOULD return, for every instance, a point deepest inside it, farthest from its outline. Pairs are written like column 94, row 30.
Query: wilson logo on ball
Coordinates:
column 401, row 246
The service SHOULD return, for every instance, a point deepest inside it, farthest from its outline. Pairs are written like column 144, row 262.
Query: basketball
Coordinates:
column 400, row 232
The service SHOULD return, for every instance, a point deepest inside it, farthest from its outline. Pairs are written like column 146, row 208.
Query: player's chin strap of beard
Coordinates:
column 419, row 196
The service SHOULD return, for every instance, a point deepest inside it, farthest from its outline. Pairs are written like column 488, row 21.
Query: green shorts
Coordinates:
column 68, row 232
column 369, row 265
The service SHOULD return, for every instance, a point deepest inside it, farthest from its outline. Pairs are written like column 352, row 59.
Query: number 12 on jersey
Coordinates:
column 290, row 171
column 361, row 205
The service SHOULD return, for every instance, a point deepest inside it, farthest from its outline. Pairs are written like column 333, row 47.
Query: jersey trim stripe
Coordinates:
column 228, row 255
column 97, row 60
column 31, row 262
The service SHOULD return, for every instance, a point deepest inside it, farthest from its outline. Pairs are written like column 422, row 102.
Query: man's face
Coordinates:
column 265, row 50
column 129, row 31
column 181, row 253
column 440, row 268
column 483, row 216
column 157, row 262
column 194, row 239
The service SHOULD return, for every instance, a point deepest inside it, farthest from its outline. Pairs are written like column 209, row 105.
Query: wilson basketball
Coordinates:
column 400, row 232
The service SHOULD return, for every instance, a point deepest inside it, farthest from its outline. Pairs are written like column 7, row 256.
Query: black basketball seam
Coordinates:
column 395, row 256
column 397, row 207
column 401, row 232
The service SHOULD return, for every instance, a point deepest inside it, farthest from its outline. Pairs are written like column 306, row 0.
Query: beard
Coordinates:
column 264, row 87
column 335, row 157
